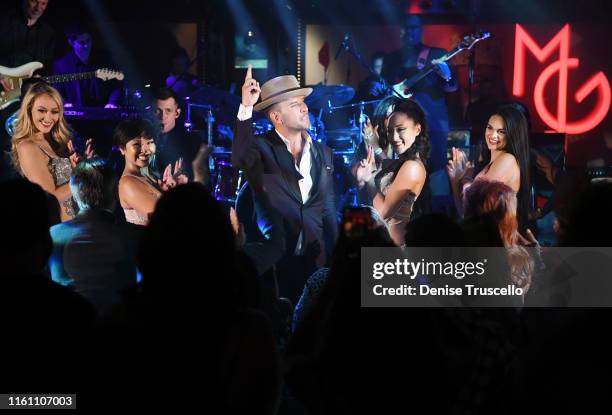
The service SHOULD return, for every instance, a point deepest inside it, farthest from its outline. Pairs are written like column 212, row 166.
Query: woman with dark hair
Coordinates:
column 138, row 192
column 375, row 131
column 505, row 158
column 396, row 187
column 375, row 136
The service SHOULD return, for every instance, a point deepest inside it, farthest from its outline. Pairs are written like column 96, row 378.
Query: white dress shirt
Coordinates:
column 303, row 167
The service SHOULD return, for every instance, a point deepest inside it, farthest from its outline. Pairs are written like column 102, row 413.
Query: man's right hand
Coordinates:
column 250, row 89
column 370, row 135
column 459, row 167
column 365, row 169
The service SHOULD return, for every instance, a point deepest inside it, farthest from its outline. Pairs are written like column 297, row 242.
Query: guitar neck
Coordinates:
column 426, row 71
column 410, row 82
column 55, row 79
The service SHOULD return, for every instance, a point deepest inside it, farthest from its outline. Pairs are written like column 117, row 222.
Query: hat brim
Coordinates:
column 282, row 97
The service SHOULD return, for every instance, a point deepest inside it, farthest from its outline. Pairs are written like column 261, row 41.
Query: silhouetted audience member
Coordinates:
column 435, row 230
column 590, row 222
column 189, row 323
column 329, row 341
column 42, row 318
column 498, row 200
column 315, row 284
column 465, row 353
column 569, row 348
column 92, row 253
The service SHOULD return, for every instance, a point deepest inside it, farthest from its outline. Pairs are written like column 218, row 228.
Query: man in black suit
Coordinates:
column 298, row 175
column 91, row 253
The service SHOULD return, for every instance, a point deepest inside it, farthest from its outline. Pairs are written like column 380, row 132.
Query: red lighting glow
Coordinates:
column 558, row 122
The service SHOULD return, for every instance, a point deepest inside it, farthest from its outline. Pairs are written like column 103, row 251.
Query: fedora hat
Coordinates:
column 279, row 89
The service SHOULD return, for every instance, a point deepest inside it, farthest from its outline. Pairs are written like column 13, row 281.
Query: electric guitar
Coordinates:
column 13, row 78
column 403, row 88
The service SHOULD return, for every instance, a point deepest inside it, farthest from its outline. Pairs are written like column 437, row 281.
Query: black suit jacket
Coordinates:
column 317, row 217
column 95, row 256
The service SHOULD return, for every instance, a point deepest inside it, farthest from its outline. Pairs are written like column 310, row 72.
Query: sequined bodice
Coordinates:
column 132, row 215
column 61, row 169
column 383, row 181
column 135, row 217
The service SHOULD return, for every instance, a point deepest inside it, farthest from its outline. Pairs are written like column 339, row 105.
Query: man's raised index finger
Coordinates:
column 249, row 73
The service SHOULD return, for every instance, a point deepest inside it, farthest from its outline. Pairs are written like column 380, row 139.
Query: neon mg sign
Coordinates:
column 559, row 121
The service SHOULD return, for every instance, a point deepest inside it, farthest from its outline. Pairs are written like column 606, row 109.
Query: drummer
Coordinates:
column 174, row 142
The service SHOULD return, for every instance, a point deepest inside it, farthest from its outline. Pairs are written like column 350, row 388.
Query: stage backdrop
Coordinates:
column 495, row 63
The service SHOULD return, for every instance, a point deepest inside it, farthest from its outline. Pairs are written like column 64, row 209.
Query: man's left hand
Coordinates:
column 443, row 71
column 377, row 88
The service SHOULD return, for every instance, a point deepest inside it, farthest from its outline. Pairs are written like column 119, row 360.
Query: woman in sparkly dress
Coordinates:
column 41, row 145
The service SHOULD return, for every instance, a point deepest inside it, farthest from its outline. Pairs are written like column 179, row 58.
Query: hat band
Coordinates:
column 281, row 93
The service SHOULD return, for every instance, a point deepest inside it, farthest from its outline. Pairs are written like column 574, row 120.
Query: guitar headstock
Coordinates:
column 108, row 74
column 470, row 40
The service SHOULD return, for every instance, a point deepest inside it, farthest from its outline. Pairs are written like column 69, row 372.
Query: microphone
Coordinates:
column 342, row 46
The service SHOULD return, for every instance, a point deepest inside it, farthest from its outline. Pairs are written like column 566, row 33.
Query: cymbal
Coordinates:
column 323, row 96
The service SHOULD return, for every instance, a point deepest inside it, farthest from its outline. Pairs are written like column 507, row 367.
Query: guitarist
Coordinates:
column 85, row 92
column 430, row 92
column 24, row 37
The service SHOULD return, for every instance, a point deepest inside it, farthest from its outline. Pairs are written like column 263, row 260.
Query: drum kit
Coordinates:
column 208, row 105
